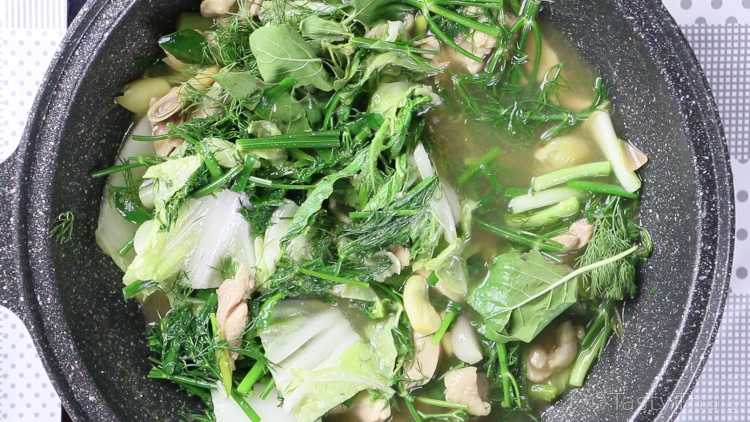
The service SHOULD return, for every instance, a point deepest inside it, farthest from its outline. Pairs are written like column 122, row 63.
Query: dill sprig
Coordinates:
column 62, row 230
column 615, row 232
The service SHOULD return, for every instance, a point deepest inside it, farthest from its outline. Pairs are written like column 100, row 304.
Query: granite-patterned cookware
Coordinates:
column 92, row 342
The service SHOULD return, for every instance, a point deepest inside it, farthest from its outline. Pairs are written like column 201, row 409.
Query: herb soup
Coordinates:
column 372, row 211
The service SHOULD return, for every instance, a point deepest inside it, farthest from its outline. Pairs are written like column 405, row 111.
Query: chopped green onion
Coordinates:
column 473, row 169
column 258, row 369
column 451, row 313
column 558, row 177
column 133, row 289
column 245, row 406
column 127, row 247
column 605, row 188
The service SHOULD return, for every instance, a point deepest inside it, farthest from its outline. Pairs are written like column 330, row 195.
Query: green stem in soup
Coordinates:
column 451, row 313
column 592, row 345
column 524, row 238
column 510, row 388
column 536, row 200
column 326, row 139
column 558, row 177
column 602, row 188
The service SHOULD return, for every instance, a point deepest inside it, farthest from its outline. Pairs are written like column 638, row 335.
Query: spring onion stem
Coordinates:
column 130, row 164
column 473, row 169
column 245, row 406
column 558, row 177
column 605, row 188
column 451, row 312
column 258, row 369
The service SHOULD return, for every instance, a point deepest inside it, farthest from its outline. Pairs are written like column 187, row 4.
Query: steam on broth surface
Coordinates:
column 356, row 213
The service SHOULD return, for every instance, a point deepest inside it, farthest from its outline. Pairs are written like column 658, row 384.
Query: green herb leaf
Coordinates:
column 281, row 52
column 503, row 298
column 188, row 46
column 240, row 85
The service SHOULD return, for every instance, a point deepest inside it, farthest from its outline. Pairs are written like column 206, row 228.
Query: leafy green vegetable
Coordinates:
column 513, row 300
column 62, row 231
column 187, row 45
column 592, row 345
column 614, row 233
column 240, row 85
column 322, row 355
column 171, row 181
column 317, row 28
column 315, row 198
column 281, row 52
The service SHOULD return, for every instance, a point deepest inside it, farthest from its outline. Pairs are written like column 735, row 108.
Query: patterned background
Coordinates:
column 719, row 31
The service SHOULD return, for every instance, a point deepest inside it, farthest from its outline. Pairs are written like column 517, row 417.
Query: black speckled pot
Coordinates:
column 92, row 343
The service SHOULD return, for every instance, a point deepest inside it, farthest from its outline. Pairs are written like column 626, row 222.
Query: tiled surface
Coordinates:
column 719, row 31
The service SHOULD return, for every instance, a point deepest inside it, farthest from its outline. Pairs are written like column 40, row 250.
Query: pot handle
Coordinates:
column 9, row 274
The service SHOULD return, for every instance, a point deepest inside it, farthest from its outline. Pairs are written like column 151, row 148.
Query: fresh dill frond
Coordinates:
column 615, row 232
column 62, row 230
column 397, row 224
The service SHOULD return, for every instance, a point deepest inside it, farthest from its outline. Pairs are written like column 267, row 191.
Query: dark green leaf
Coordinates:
column 188, row 46
column 281, row 52
column 503, row 299
column 240, row 85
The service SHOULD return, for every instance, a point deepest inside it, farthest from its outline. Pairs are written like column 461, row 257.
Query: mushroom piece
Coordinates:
column 636, row 157
column 403, row 254
column 578, row 236
column 164, row 147
column 363, row 408
column 423, row 317
column 426, row 357
column 464, row 341
column 232, row 311
column 216, row 8
column 165, row 107
column 394, row 268
column 466, row 386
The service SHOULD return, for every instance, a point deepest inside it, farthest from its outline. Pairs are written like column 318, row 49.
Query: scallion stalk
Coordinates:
column 258, row 369
column 605, row 188
column 327, row 139
column 558, row 177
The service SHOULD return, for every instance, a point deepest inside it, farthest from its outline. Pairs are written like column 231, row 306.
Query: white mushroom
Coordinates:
column 464, row 341
column 216, row 8
column 164, row 147
column 578, row 236
column 231, row 311
column 426, row 357
column 466, row 386
column 165, row 107
column 363, row 408
column 403, row 254
column 636, row 157
column 394, row 268
column 423, row 317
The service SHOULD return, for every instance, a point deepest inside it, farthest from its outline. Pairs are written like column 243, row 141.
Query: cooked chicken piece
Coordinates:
column 363, row 408
column 426, row 357
column 466, row 386
column 216, row 8
column 480, row 44
column 231, row 312
column 578, row 236
column 543, row 361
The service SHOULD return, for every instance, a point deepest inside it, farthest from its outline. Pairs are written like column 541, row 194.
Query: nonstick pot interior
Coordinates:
column 92, row 341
